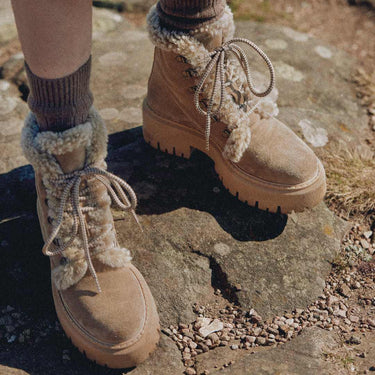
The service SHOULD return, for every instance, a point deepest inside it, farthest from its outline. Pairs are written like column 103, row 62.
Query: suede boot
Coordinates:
column 102, row 301
column 201, row 96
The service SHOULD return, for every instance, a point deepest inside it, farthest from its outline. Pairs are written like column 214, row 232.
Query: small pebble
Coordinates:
column 345, row 290
column 368, row 234
column 356, row 340
column 190, row 371
column 364, row 244
column 192, row 345
column 204, row 347
column 167, row 331
column 215, row 326
column 261, row 341
column 250, row 339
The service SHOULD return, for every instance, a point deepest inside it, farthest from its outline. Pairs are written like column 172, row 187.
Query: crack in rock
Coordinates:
column 219, row 279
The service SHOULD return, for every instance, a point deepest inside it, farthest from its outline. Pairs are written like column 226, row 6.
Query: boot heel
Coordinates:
column 164, row 137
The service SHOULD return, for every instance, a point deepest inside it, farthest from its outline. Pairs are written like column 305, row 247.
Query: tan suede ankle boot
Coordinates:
column 201, row 96
column 102, row 301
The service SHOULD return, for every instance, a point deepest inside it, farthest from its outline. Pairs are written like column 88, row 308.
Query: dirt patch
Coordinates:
column 322, row 19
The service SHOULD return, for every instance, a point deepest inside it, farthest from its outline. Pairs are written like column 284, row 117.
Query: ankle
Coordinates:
column 60, row 103
column 189, row 14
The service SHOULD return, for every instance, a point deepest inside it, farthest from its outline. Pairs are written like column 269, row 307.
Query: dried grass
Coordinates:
column 351, row 173
column 366, row 89
column 350, row 180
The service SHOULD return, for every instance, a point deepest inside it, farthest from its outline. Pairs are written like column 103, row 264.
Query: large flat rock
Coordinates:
column 165, row 358
column 314, row 80
column 302, row 356
column 197, row 234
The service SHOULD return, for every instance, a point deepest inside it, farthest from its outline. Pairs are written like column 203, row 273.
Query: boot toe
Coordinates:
column 278, row 156
column 118, row 327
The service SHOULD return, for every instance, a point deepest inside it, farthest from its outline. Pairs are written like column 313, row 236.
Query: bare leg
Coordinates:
column 55, row 34
column 56, row 41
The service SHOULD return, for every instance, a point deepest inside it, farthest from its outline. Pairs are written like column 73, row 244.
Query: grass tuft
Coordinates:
column 366, row 89
column 350, row 180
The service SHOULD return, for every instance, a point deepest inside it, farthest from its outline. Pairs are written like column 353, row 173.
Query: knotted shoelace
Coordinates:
column 71, row 192
column 218, row 64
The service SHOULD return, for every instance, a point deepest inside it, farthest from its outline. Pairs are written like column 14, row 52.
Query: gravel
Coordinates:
column 239, row 329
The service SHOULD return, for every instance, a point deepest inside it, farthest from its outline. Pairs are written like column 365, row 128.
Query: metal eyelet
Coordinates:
column 192, row 89
column 181, row 59
column 215, row 118
column 189, row 73
column 204, row 103
column 226, row 133
column 193, row 72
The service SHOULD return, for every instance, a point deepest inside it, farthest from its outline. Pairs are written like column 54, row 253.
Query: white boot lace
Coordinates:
column 71, row 192
column 218, row 58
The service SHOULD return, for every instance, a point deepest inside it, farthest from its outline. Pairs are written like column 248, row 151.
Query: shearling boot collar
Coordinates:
column 188, row 44
column 40, row 148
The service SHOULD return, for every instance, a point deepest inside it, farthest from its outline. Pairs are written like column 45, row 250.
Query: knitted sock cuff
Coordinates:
column 189, row 14
column 60, row 103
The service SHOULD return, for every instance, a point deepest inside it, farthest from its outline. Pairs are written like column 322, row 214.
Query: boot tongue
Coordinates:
column 73, row 160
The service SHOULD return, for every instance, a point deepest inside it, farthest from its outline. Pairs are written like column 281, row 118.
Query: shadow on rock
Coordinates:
column 164, row 183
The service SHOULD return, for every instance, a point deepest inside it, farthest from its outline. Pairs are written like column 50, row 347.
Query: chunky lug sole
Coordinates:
column 124, row 355
column 176, row 139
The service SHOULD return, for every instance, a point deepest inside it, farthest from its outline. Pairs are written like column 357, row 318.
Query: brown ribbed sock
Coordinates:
column 60, row 103
column 189, row 14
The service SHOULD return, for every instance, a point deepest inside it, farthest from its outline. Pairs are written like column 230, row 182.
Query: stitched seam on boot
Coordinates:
column 122, row 345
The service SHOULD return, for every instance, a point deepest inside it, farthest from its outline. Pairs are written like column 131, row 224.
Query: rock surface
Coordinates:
column 303, row 355
column 280, row 262
column 316, row 100
column 167, row 356
column 8, row 30
column 197, row 236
